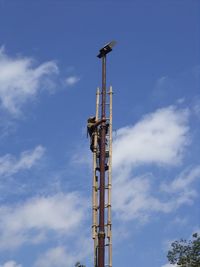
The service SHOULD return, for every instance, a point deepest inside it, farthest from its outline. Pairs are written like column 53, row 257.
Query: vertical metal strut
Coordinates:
column 109, row 218
column 95, row 188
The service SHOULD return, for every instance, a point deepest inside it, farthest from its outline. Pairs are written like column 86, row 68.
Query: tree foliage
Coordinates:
column 78, row 264
column 185, row 253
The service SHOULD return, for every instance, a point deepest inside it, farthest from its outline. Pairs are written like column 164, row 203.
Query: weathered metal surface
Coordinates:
column 101, row 234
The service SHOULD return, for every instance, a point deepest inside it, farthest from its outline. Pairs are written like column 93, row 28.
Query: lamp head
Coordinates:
column 106, row 49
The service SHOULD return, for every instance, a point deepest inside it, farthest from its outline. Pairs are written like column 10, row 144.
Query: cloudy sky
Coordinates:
column 49, row 73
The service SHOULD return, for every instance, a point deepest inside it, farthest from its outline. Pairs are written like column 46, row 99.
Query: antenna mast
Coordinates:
column 101, row 146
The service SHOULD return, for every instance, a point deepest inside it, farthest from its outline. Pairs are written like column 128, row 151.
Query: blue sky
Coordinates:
column 49, row 73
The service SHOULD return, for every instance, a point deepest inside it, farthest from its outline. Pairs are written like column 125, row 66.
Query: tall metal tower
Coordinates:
column 101, row 146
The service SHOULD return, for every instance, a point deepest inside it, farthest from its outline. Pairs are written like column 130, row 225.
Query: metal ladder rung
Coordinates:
column 105, row 103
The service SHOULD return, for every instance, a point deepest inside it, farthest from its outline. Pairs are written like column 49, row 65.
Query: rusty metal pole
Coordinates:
column 102, row 160
column 101, row 235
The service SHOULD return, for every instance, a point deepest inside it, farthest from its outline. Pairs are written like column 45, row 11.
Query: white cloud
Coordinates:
column 159, row 138
column 72, row 80
column 79, row 250
column 21, row 81
column 180, row 100
column 183, row 181
column 10, row 165
column 11, row 264
column 56, row 257
column 180, row 221
column 31, row 221
column 196, row 106
column 135, row 199
column 162, row 80
column 78, row 159
column 131, row 198
column 65, row 257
